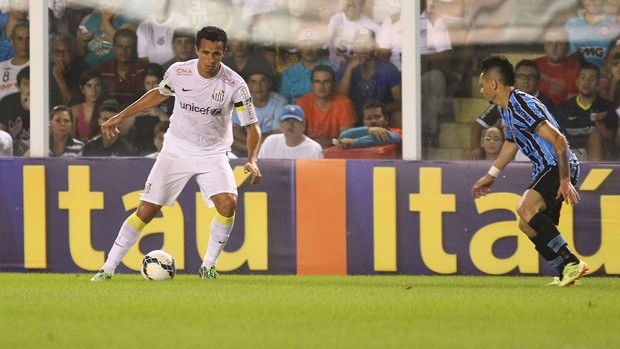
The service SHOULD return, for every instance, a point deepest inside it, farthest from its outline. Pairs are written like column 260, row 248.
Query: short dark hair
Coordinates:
column 154, row 69
column 65, row 37
column 502, row 65
column 90, row 73
column 125, row 33
column 589, row 66
column 528, row 63
column 19, row 25
column 183, row 32
column 110, row 105
column 61, row 108
column 212, row 33
column 325, row 68
column 23, row 74
column 375, row 103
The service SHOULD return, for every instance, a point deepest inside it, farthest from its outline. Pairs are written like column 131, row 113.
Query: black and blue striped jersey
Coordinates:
column 523, row 115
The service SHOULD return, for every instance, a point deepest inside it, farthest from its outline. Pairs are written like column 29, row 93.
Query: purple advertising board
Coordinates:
column 373, row 217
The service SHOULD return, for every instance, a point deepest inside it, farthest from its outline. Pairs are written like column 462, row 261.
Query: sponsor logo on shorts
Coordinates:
column 147, row 188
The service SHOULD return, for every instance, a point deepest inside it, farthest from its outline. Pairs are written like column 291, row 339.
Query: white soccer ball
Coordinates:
column 158, row 265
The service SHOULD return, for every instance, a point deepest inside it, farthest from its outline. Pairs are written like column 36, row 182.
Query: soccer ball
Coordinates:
column 158, row 265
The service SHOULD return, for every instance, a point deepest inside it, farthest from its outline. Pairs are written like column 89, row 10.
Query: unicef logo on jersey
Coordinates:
column 218, row 95
column 201, row 110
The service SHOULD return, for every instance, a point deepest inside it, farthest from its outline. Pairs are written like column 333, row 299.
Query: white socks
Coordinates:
column 127, row 237
column 132, row 227
column 220, row 231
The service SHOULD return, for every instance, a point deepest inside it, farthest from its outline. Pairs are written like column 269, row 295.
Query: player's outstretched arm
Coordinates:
column 483, row 185
column 149, row 99
column 251, row 166
column 506, row 155
column 560, row 146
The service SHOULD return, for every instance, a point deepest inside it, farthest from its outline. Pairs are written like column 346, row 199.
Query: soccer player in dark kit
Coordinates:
column 533, row 130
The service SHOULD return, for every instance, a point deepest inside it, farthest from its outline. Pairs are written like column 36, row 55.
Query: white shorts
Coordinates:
column 171, row 173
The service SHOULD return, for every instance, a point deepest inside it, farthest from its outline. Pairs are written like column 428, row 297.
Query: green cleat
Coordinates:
column 207, row 273
column 557, row 282
column 572, row 272
column 101, row 276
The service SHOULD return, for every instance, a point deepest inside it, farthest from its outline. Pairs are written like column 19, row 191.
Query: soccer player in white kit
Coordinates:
column 195, row 145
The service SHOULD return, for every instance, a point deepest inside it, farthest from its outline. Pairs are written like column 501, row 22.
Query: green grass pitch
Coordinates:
column 250, row 311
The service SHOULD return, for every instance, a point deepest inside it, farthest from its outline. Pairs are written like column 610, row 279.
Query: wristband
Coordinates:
column 494, row 171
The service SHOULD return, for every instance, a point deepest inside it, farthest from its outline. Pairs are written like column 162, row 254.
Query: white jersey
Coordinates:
column 275, row 147
column 434, row 37
column 201, row 122
column 341, row 32
column 390, row 36
column 155, row 39
column 8, row 77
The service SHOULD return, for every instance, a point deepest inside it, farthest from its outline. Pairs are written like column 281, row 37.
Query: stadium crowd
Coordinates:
column 333, row 58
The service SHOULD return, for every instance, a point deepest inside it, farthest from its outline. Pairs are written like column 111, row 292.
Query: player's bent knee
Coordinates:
column 526, row 212
column 225, row 204
column 146, row 211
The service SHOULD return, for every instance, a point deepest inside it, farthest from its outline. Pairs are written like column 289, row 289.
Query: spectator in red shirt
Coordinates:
column 558, row 70
column 327, row 111
column 124, row 74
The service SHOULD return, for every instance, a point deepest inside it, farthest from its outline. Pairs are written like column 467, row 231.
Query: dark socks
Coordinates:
column 547, row 253
column 550, row 243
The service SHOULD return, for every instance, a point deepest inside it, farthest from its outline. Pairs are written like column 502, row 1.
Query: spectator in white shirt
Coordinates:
column 292, row 143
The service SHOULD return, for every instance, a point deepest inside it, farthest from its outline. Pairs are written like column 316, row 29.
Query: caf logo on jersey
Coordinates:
column 218, row 95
